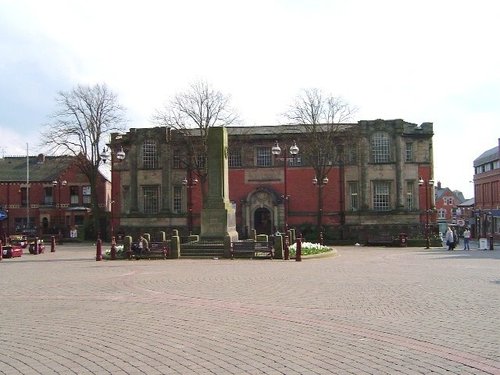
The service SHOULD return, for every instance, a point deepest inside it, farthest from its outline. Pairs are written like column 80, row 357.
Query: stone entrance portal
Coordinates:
column 261, row 211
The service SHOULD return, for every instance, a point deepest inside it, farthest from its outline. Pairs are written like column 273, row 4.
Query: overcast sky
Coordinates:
column 421, row 61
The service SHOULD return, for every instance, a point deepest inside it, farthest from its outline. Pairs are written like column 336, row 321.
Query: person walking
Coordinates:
column 466, row 238
column 450, row 242
column 456, row 239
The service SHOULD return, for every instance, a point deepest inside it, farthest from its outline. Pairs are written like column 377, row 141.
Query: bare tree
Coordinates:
column 79, row 127
column 324, row 119
column 192, row 113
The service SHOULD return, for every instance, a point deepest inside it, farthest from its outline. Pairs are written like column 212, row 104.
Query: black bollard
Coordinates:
column 286, row 249
column 113, row 248
column 298, row 251
column 98, row 255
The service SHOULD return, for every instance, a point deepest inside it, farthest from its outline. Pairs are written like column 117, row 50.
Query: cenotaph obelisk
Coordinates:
column 218, row 218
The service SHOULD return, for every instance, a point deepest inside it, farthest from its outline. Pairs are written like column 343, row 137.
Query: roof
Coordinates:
column 488, row 156
column 440, row 192
column 41, row 167
column 467, row 203
column 278, row 129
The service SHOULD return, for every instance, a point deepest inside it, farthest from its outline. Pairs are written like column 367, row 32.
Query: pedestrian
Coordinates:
column 450, row 242
column 466, row 238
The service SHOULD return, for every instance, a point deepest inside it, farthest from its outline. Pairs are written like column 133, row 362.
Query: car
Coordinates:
column 11, row 251
column 18, row 240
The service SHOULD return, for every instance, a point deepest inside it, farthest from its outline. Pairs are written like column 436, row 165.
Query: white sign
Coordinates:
column 483, row 244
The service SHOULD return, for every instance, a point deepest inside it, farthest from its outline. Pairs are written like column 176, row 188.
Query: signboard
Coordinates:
column 483, row 244
column 3, row 215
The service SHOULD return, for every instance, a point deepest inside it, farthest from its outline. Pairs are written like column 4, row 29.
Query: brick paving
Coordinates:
column 365, row 311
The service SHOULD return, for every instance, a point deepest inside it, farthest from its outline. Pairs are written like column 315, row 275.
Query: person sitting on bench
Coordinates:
column 142, row 246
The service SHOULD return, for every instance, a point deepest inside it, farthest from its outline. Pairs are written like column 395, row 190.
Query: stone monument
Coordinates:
column 218, row 218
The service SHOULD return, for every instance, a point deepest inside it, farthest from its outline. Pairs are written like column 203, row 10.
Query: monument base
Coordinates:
column 217, row 223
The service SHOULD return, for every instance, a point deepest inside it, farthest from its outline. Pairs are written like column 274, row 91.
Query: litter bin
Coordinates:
column 403, row 239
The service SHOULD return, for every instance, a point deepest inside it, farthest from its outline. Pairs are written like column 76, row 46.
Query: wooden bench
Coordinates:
column 251, row 249
column 380, row 240
column 156, row 250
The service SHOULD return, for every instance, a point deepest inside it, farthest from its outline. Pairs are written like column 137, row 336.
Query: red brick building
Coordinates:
column 373, row 188
column 447, row 207
column 46, row 195
column 487, row 193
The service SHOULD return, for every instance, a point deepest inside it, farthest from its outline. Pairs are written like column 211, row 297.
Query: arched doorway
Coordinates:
column 263, row 221
column 45, row 224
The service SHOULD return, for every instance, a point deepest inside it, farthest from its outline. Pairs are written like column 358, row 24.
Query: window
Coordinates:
column 410, row 199
column 449, row 201
column 201, row 161
column 381, row 196
column 353, row 196
column 441, row 214
column 176, row 160
column 323, row 158
column 409, row 152
column 86, row 195
column 340, row 153
column 177, row 199
column 149, row 155
column 74, row 195
column 24, row 197
column 235, row 158
column 352, row 154
column 263, row 156
column 295, row 161
column 48, row 196
column 151, row 201
column 380, row 148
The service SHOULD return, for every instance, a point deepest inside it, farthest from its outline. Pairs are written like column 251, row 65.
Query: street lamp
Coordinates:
column 319, row 184
column 59, row 184
column 427, row 184
column 106, row 155
column 276, row 151
column 190, row 182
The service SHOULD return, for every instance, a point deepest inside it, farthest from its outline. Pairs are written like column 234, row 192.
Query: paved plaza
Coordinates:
column 365, row 311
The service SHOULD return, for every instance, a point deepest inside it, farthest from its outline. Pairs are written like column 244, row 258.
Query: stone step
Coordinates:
column 201, row 250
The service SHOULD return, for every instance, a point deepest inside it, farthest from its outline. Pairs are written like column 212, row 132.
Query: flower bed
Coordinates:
column 120, row 253
column 309, row 248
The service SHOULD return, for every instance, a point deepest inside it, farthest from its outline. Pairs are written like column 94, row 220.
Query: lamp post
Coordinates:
column 491, row 230
column 276, row 151
column 106, row 155
column 59, row 184
column 190, row 182
column 319, row 184
column 427, row 185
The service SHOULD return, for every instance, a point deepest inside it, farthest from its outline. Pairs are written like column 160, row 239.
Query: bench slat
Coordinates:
column 155, row 250
column 251, row 248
